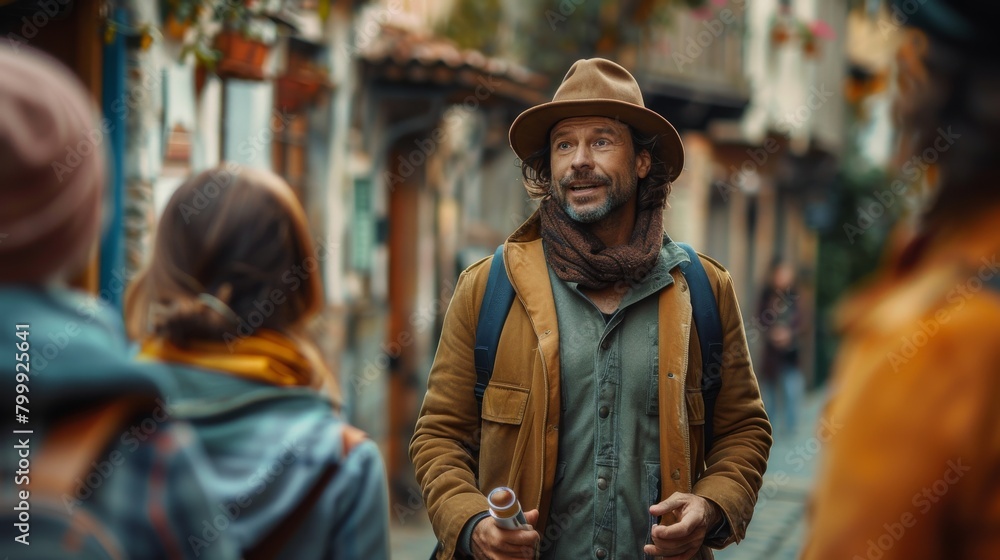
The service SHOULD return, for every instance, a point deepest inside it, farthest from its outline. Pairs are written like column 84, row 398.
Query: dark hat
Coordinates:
column 597, row 88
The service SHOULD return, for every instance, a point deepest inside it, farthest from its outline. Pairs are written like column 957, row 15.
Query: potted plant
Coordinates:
column 300, row 84
column 180, row 15
column 241, row 52
column 811, row 35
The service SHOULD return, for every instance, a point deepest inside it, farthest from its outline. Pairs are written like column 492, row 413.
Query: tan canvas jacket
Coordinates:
column 458, row 454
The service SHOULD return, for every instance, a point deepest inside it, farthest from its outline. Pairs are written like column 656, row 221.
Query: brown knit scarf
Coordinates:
column 577, row 255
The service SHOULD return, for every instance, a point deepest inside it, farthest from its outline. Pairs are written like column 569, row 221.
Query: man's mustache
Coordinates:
column 587, row 177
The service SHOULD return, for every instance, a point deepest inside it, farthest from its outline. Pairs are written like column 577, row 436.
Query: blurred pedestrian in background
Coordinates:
column 911, row 466
column 598, row 393
column 98, row 470
column 224, row 302
column 780, row 319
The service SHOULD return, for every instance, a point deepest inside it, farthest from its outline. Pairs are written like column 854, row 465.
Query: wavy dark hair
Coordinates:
column 945, row 88
column 536, row 170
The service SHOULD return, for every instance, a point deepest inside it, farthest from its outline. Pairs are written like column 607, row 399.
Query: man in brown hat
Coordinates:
column 594, row 414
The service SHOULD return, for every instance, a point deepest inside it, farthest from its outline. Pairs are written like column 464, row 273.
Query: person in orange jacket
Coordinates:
column 910, row 467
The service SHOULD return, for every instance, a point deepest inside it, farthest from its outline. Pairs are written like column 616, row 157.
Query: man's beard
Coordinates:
column 618, row 194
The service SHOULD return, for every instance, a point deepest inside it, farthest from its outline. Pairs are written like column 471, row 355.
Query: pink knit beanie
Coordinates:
column 52, row 168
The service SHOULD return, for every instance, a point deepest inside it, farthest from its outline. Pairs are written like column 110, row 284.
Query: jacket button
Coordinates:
column 601, row 553
column 606, row 344
column 604, row 411
column 602, row 483
column 676, row 475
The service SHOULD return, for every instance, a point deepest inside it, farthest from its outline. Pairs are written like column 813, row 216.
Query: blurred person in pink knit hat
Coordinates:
column 52, row 170
column 99, row 470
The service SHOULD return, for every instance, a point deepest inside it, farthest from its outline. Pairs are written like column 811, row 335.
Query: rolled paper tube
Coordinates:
column 505, row 509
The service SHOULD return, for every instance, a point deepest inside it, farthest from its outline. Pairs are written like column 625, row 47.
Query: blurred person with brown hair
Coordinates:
column 596, row 414
column 779, row 317
column 233, row 281
column 910, row 469
column 94, row 467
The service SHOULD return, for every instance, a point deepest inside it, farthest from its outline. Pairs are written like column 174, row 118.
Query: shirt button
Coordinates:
column 602, row 483
column 606, row 344
column 601, row 553
column 684, row 287
column 604, row 411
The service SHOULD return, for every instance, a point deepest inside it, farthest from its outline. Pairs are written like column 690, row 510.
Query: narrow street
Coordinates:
column 778, row 526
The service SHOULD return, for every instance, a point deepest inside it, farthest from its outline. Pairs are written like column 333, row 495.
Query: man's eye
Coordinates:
column 562, row 145
column 601, row 142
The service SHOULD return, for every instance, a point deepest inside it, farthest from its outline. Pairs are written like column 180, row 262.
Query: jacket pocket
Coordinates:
column 502, row 441
column 504, row 404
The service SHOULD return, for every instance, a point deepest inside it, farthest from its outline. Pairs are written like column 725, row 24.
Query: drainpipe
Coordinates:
column 112, row 277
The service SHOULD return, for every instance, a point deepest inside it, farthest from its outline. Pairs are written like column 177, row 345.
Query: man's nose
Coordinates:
column 582, row 158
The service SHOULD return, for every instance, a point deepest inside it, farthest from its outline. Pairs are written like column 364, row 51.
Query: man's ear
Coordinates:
column 643, row 161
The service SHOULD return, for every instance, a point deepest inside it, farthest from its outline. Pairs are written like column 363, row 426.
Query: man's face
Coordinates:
column 595, row 168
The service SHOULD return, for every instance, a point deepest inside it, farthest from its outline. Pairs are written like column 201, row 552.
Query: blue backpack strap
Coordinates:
column 709, row 326
column 492, row 315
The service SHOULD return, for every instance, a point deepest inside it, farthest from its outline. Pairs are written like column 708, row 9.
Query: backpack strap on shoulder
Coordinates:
column 77, row 439
column 493, row 312
column 271, row 545
column 709, row 326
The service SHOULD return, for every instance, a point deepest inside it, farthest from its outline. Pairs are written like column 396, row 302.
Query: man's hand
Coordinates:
column 490, row 542
column 681, row 540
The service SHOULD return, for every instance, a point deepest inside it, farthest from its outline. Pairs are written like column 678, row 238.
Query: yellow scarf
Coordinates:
column 267, row 356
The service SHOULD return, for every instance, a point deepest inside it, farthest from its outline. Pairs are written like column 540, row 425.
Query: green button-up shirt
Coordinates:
column 608, row 471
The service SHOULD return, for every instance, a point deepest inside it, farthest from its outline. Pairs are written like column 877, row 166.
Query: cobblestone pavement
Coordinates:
column 778, row 526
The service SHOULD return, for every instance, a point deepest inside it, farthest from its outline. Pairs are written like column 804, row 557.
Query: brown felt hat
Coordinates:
column 597, row 87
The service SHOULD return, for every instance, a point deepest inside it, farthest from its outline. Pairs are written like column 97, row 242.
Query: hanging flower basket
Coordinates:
column 779, row 34
column 296, row 92
column 240, row 56
column 175, row 28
